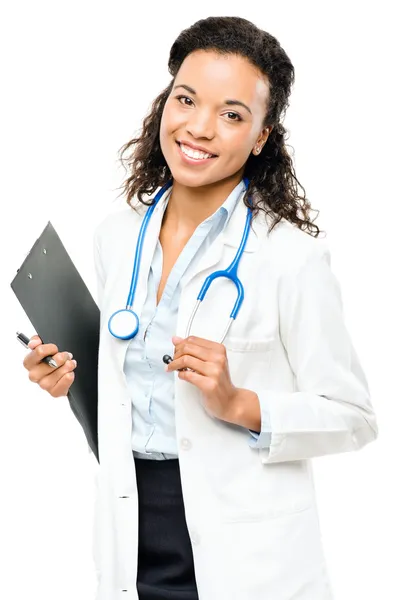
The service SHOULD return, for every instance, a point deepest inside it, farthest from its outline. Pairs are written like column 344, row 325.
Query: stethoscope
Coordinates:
column 124, row 323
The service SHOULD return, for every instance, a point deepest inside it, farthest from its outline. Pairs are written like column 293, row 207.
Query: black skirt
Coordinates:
column 165, row 558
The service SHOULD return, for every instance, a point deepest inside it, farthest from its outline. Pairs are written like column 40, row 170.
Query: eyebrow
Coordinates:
column 228, row 102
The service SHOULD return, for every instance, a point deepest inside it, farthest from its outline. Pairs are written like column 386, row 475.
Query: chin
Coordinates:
column 192, row 179
column 189, row 181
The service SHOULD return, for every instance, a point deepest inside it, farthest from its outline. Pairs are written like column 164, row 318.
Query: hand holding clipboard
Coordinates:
column 57, row 379
column 64, row 315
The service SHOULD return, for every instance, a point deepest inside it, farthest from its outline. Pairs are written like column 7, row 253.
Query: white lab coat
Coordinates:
column 251, row 513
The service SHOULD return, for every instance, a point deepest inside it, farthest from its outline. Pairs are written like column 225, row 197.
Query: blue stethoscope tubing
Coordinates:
column 124, row 323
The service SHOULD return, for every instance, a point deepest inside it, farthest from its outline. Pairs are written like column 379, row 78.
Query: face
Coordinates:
column 216, row 107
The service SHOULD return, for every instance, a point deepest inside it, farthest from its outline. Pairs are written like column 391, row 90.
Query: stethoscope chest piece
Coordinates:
column 124, row 324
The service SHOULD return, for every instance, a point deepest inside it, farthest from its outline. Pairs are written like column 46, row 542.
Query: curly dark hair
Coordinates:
column 272, row 180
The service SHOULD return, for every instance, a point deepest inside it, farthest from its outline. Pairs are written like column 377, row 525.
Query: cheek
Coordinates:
column 163, row 127
column 238, row 148
column 168, row 126
column 169, row 121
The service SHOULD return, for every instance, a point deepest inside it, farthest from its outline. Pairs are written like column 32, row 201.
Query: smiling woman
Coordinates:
column 229, row 91
column 203, row 126
column 205, row 487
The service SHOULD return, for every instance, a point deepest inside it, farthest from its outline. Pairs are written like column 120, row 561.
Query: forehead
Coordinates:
column 223, row 76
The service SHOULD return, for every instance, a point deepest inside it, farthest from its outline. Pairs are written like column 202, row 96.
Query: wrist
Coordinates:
column 245, row 410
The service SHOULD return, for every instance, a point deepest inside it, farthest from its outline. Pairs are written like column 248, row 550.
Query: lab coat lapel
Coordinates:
column 125, row 273
column 230, row 237
column 218, row 256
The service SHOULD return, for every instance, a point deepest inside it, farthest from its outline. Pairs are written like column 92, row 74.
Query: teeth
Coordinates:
column 194, row 153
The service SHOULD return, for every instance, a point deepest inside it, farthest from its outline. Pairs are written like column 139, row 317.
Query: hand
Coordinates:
column 55, row 381
column 210, row 374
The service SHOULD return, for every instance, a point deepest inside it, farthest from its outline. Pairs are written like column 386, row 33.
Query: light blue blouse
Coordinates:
column 151, row 388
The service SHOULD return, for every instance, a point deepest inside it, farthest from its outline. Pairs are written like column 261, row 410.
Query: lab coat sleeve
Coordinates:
column 331, row 412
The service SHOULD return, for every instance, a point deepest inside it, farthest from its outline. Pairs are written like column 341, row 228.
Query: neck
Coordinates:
column 190, row 206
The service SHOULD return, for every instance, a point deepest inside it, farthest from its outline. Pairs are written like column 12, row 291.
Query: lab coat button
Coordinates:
column 186, row 444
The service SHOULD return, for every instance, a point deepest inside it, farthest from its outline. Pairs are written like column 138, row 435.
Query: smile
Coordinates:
column 194, row 156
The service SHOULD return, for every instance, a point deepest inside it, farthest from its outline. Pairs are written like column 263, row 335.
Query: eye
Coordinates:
column 186, row 98
column 238, row 117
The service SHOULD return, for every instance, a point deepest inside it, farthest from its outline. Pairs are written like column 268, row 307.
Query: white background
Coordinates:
column 77, row 79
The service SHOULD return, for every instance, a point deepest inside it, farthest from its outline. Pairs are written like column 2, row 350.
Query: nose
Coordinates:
column 201, row 125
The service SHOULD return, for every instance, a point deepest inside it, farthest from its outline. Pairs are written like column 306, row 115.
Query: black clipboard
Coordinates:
column 62, row 311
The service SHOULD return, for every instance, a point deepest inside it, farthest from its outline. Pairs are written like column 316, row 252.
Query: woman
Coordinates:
column 205, row 486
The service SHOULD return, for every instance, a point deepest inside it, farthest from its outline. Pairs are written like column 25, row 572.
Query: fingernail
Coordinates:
column 176, row 339
column 70, row 355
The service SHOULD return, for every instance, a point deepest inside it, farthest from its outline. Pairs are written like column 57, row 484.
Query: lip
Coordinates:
column 193, row 161
column 194, row 147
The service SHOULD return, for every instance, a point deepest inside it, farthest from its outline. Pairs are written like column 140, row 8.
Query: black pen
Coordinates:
column 25, row 341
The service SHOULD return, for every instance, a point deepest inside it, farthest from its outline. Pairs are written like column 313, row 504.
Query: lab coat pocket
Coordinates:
column 277, row 558
column 243, row 344
column 258, row 492
column 249, row 360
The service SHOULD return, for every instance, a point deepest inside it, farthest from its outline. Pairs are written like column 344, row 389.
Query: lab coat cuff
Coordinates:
column 263, row 438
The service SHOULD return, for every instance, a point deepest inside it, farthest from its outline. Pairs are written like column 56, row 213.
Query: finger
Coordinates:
column 34, row 341
column 206, row 369
column 38, row 354
column 62, row 386
column 201, row 382
column 51, row 381
column 38, row 371
column 60, row 358
column 192, row 339
column 193, row 350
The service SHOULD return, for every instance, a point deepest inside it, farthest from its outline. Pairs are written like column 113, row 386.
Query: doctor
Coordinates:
column 205, row 486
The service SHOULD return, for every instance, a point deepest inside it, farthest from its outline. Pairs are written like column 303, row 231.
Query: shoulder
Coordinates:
column 288, row 248
column 118, row 223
